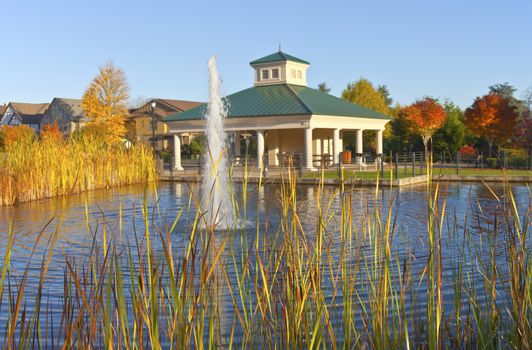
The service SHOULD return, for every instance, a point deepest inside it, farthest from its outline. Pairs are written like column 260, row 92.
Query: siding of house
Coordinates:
column 60, row 113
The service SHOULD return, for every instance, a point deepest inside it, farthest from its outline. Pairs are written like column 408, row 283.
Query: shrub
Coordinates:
column 492, row 163
column 518, row 162
column 12, row 135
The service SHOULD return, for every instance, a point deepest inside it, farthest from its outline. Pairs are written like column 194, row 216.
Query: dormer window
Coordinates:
column 275, row 73
column 265, row 74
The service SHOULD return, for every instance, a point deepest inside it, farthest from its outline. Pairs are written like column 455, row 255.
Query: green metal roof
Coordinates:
column 280, row 100
column 278, row 57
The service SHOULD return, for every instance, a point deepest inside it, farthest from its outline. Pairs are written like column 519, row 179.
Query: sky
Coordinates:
column 450, row 49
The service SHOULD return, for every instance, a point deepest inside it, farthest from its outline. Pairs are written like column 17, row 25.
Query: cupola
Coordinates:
column 280, row 68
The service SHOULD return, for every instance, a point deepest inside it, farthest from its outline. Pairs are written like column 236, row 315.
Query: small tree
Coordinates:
column 324, row 88
column 105, row 104
column 425, row 117
column 451, row 135
column 492, row 116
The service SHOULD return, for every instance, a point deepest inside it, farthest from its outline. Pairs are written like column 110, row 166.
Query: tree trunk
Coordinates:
column 490, row 144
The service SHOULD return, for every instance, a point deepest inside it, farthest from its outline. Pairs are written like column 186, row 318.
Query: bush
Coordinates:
column 518, row 162
column 492, row 163
column 166, row 156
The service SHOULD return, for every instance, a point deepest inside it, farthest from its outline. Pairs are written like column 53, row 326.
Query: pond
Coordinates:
column 472, row 211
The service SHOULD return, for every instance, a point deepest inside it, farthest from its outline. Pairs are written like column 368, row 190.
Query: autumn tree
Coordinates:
column 425, row 117
column 492, row 116
column 105, row 104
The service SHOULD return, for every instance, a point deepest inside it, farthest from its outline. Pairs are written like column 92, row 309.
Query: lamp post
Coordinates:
column 153, row 105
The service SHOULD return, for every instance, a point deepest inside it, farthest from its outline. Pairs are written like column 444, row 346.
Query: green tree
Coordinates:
column 450, row 137
column 507, row 91
column 399, row 136
column 324, row 88
column 383, row 89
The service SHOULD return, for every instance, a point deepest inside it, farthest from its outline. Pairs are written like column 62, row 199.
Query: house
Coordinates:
column 29, row 114
column 286, row 116
column 2, row 110
column 66, row 113
column 139, row 122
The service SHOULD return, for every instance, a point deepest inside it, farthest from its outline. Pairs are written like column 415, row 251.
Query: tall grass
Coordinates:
column 36, row 169
column 333, row 283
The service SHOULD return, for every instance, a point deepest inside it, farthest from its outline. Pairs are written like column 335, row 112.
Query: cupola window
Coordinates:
column 265, row 74
column 275, row 73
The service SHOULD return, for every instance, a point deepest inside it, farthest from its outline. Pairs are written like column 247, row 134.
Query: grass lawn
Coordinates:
column 370, row 175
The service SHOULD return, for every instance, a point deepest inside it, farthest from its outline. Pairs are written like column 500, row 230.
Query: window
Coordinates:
column 275, row 73
column 293, row 73
column 265, row 74
column 299, row 74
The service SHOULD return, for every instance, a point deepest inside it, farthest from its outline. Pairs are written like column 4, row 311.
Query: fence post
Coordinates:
column 396, row 166
column 481, row 160
column 413, row 164
column 457, row 162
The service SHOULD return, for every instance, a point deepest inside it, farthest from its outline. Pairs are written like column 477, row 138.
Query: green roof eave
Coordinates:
column 278, row 57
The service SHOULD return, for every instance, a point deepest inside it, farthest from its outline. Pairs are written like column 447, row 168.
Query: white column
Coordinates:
column 307, row 160
column 358, row 145
column 260, row 148
column 177, row 153
column 277, row 147
column 379, row 142
column 336, row 145
column 236, row 137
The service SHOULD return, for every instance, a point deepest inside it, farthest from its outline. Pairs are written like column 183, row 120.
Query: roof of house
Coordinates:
column 278, row 57
column 180, row 104
column 73, row 106
column 30, row 113
column 164, row 107
column 2, row 109
column 282, row 100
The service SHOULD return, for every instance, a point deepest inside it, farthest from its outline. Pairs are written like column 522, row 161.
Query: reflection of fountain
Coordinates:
column 215, row 182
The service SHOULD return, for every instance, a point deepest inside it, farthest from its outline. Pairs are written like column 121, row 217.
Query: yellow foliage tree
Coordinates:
column 105, row 104
column 363, row 93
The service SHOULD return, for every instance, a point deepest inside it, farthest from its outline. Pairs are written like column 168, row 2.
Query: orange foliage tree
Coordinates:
column 105, row 104
column 51, row 133
column 492, row 116
column 16, row 134
column 425, row 117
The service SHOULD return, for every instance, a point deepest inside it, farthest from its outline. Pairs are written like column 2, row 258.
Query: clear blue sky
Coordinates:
column 448, row 49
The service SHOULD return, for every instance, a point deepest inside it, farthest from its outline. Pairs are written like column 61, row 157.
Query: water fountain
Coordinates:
column 215, row 183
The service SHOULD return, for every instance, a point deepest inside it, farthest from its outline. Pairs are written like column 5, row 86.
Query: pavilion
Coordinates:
column 285, row 115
